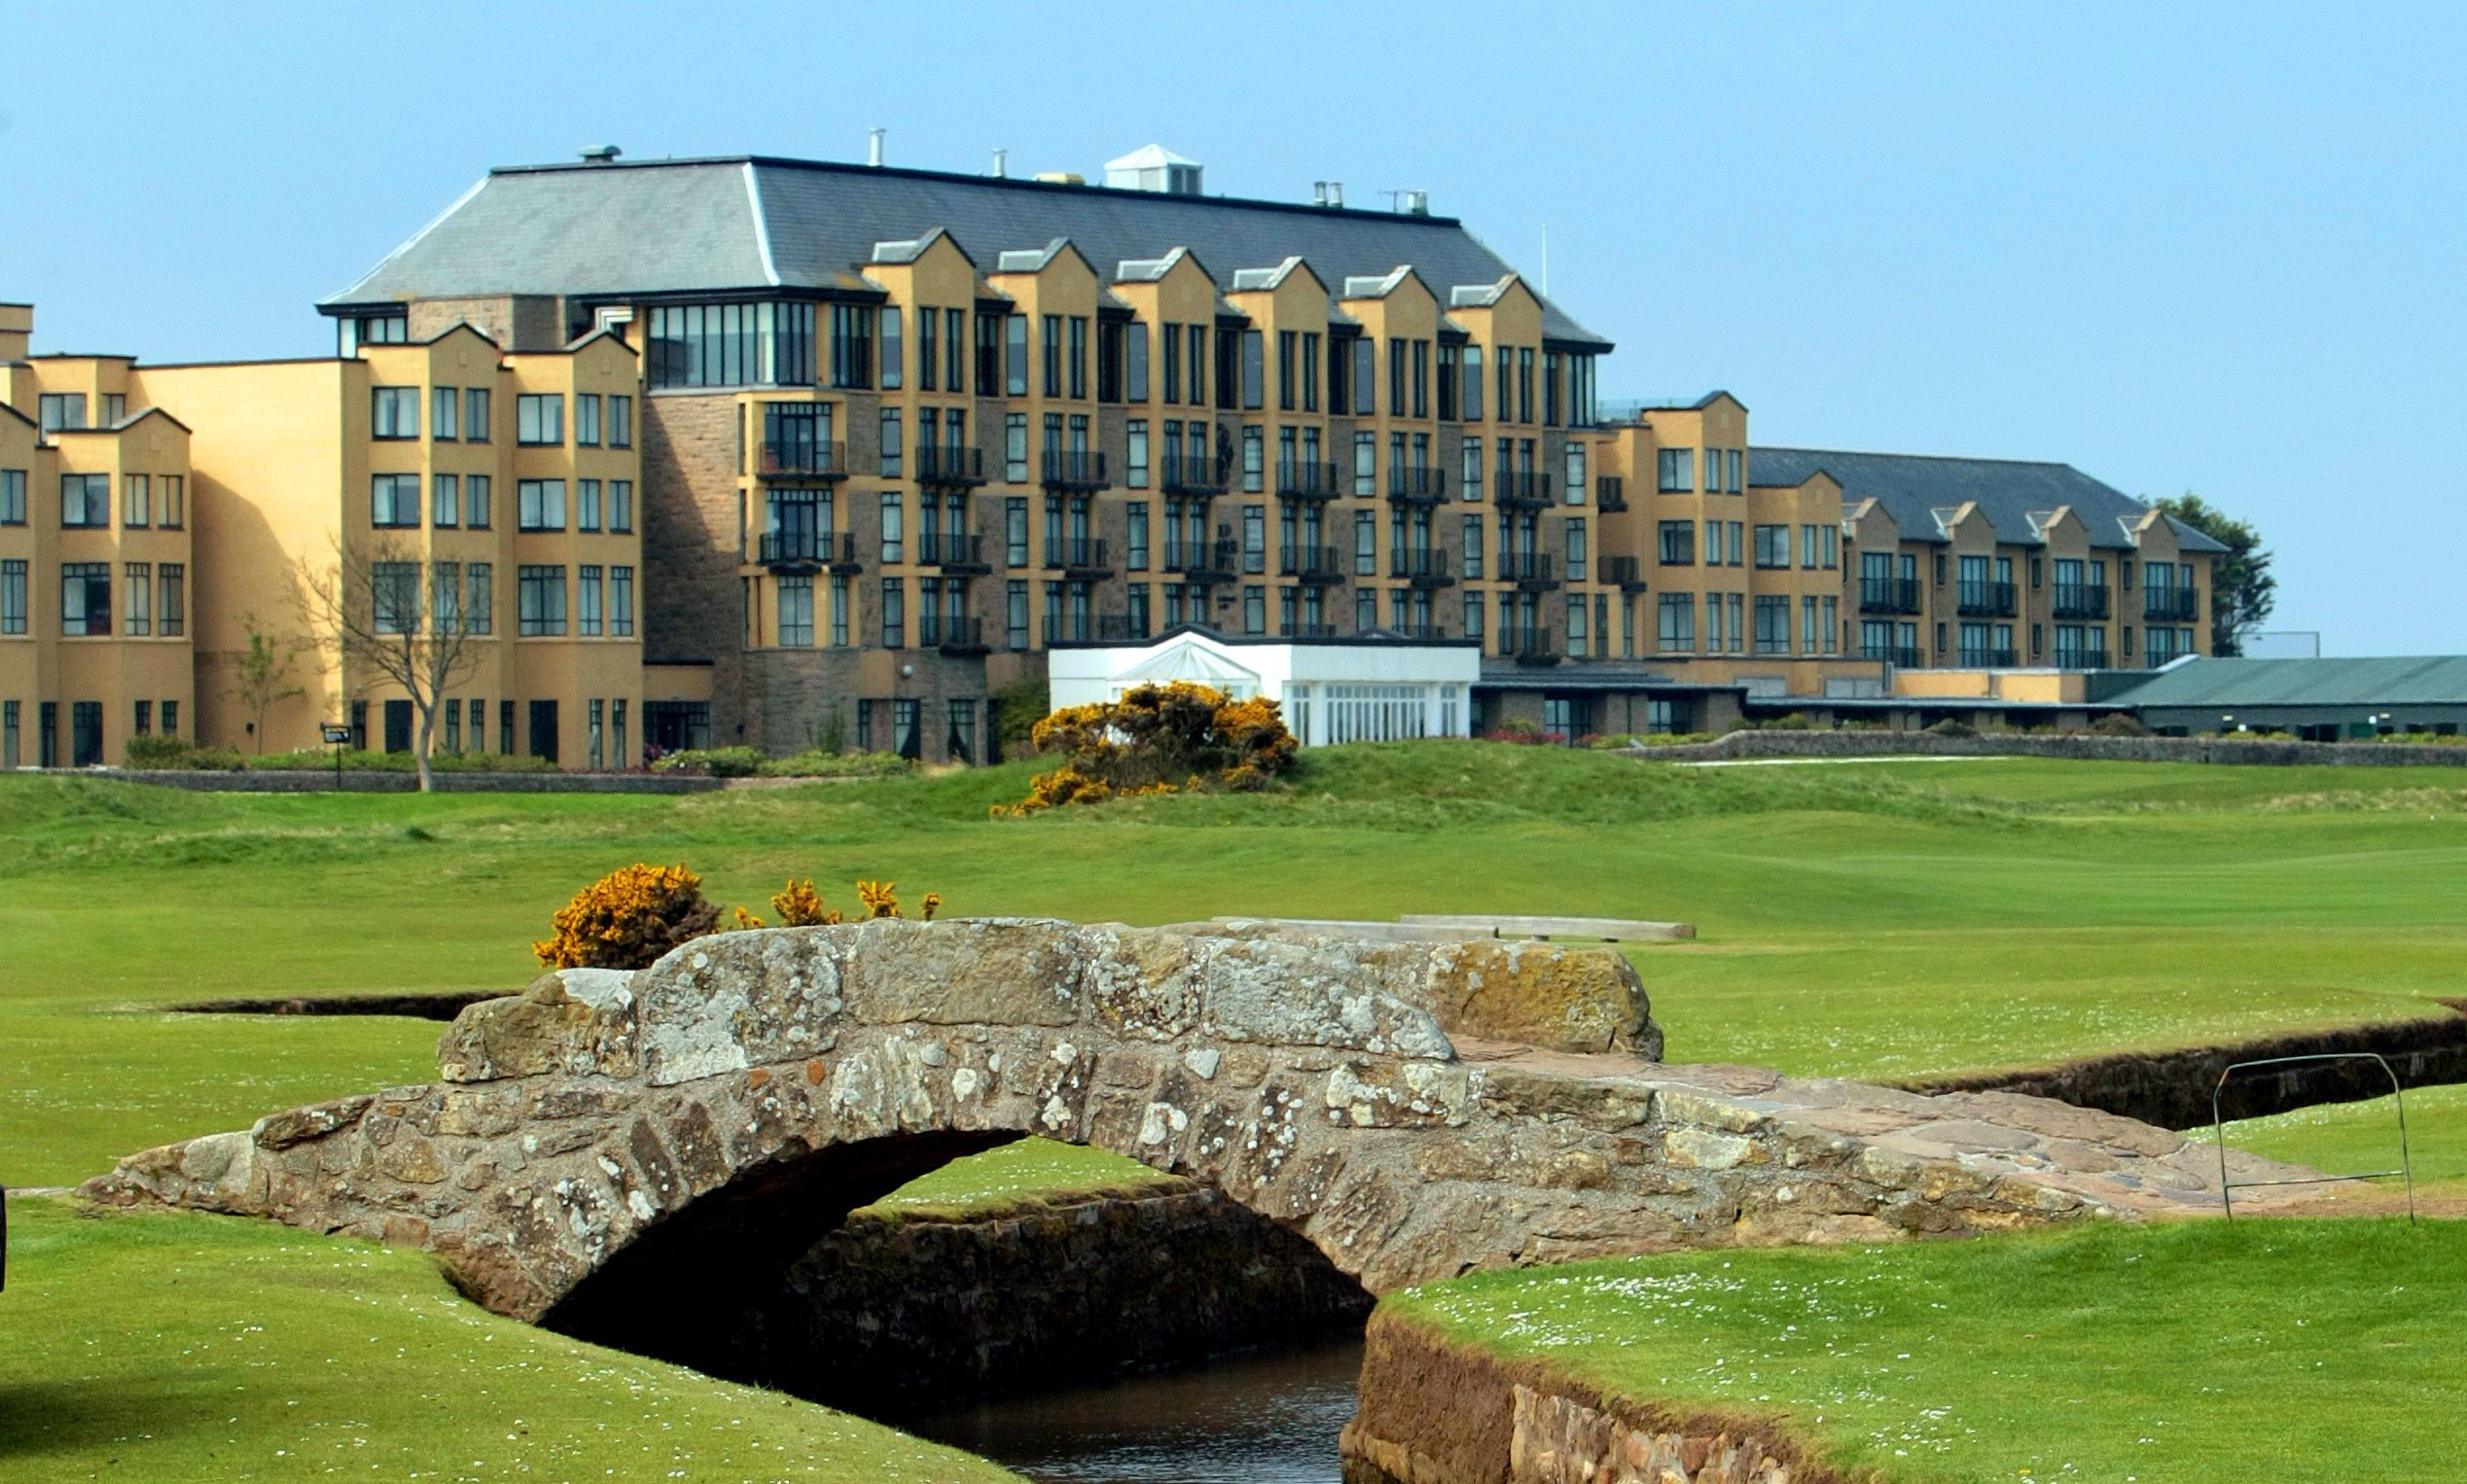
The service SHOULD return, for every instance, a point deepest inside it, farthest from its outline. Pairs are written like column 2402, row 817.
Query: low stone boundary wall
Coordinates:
column 889, row 1310
column 1740, row 746
column 1437, row 1413
column 363, row 780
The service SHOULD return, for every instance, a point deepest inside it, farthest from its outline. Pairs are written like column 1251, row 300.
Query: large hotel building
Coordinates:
column 794, row 453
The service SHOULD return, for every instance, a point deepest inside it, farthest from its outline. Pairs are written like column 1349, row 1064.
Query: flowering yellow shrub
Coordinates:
column 1157, row 739
column 799, row 906
column 627, row 919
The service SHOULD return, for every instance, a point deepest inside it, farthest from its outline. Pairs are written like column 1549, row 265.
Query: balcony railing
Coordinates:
column 1426, row 568
column 952, row 551
column 1528, row 646
column 1888, row 595
column 1984, row 600
column 947, row 468
column 1520, row 487
column 1077, row 555
column 1610, row 492
column 1534, row 570
column 1300, row 481
column 1423, row 632
column 2081, row 600
column 2079, row 658
column 951, row 633
column 1989, row 659
column 802, row 458
column 1183, row 474
column 1408, row 485
column 1074, row 471
column 1314, row 564
column 2171, row 605
column 1904, row 656
column 1205, row 561
column 1626, row 573
column 1306, row 630
column 806, row 549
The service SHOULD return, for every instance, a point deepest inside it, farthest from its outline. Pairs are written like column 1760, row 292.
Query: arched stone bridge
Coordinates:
column 609, row 1143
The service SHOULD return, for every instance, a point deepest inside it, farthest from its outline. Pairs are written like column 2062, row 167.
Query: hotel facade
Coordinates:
column 797, row 454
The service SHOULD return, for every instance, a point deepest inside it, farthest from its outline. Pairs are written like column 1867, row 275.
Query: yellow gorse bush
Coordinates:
column 1157, row 739
column 628, row 918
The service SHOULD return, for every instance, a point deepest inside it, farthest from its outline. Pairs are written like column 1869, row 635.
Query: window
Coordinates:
column 894, row 527
column 1471, row 539
column 621, row 435
column 1135, row 452
column 1135, row 362
column 445, row 500
column 480, row 606
column 1576, row 549
column 795, row 612
column 12, row 497
column 1254, row 459
column 541, row 599
column 136, row 500
column 393, row 500
column 732, row 344
column 1015, row 531
column 475, row 490
column 840, row 599
column 1806, row 625
column 1015, row 447
column 1014, row 613
column 1135, row 535
column 888, row 332
column 590, row 595
column 1254, row 372
column 1366, row 544
column 1198, row 338
column 1773, row 546
column 86, row 499
column 445, row 596
column 851, row 346
column 1773, row 625
column 1572, row 471
column 444, row 417
column 1078, row 356
column 539, row 418
column 540, row 504
column 1677, row 622
column 1051, row 327
column 1365, row 377
column 621, row 505
column 620, row 602
column 394, row 411
column 476, row 414
column 1015, row 355
column 60, row 410
column 13, row 597
column 1678, row 544
column 1469, row 385
column 1676, row 470
column 1525, row 383
column 586, row 419
column 894, row 612
column 394, row 598
column 1366, row 464
column 891, row 433
column 1734, row 478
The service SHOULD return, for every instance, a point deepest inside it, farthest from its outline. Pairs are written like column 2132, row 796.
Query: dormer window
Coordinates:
column 355, row 330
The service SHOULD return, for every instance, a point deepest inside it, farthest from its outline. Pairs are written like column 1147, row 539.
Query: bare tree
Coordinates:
column 261, row 672
column 370, row 601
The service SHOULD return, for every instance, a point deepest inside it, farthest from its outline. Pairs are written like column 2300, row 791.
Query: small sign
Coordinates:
column 336, row 736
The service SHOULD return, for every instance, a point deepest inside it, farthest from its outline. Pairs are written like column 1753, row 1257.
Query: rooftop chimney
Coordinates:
column 873, row 147
column 16, row 330
column 1001, row 164
column 1413, row 204
column 601, row 154
column 1335, row 194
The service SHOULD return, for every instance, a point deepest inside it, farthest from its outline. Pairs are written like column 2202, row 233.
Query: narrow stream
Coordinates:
column 1267, row 1419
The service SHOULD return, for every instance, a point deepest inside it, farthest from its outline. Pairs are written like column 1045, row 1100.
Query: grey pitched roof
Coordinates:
column 668, row 227
column 2010, row 492
column 2416, row 679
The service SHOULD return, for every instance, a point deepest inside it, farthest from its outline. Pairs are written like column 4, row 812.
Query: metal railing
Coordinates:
column 1313, row 563
column 801, row 458
column 1532, row 569
column 1428, row 567
column 1984, row 600
column 1079, row 553
column 1203, row 560
column 1989, row 659
column 1904, row 656
column 1528, row 643
column 1408, row 485
column 1183, row 474
column 1074, row 471
column 1888, row 595
column 950, row 467
column 2080, row 600
column 2176, row 605
column 2079, row 659
column 1307, row 480
column 1523, row 486
column 952, row 548
column 1619, row 570
column 805, row 549
column 1306, row 630
column 2218, row 1130
column 956, row 633
column 1610, row 492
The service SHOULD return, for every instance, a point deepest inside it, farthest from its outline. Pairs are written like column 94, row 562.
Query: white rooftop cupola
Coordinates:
column 1154, row 167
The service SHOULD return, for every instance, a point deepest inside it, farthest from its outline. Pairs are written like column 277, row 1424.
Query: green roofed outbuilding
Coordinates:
column 2318, row 699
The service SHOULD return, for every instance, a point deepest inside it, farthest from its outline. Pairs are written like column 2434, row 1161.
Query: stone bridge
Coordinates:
column 609, row 1146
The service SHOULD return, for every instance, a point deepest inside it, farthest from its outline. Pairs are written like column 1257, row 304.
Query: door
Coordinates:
column 544, row 730
column 86, row 735
column 398, row 726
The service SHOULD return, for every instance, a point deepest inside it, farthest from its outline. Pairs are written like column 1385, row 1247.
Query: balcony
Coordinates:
column 1427, row 568
column 2171, row 605
column 950, row 467
column 1625, row 572
column 1080, row 557
column 1185, row 476
column 1416, row 486
column 2080, row 600
column 951, row 633
column 2085, row 658
column 1989, row 659
column 1610, row 493
column 801, row 458
column 1204, row 561
column 1076, row 472
column 1421, row 633
column 1528, row 646
column 1306, row 481
column 954, row 551
column 1984, row 600
column 806, row 551
column 1306, row 630
column 1899, row 655
column 1318, row 566
column 1118, row 628
column 1521, row 488
column 1532, row 571
column 1888, row 595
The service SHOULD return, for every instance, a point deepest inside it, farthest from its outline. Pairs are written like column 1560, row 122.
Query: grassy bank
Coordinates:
column 1876, row 920
column 2282, row 1350
column 188, row 1346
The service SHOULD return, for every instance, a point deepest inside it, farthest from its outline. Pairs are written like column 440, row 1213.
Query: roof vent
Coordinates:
column 1413, row 204
column 1061, row 177
column 1001, row 164
column 601, row 155
column 873, row 147
column 1154, row 167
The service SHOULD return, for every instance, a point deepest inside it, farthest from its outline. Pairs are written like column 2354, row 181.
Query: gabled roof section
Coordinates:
column 2015, row 495
column 125, row 423
column 1478, row 295
column 678, row 226
column 1377, row 285
column 1032, row 259
column 2434, row 679
column 1251, row 280
column 911, row 249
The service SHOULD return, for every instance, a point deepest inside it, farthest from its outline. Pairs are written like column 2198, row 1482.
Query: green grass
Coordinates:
column 2290, row 1351
column 1021, row 1175
column 188, row 1346
column 2352, row 1138
column 1880, row 921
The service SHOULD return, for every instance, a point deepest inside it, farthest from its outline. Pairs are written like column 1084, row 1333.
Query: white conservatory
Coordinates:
column 1368, row 689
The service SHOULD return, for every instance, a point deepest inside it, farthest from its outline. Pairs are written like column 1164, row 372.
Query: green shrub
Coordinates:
column 1797, row 720
column 819, row 764
column 1016, row 712
column 1950, row 727
column 714, row 761
column 2119, row 723
column 309, row 760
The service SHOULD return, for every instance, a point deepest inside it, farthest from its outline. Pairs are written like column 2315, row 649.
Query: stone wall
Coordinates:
column 1905, row 744
column 1433, row 1412
column 316, row 781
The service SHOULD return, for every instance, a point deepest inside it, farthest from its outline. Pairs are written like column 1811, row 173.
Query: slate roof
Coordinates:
column 2439, row 680
column 750, row 222
column 1914, row 487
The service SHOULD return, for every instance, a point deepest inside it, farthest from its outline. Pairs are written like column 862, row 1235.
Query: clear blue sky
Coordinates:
column 2207, row 247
